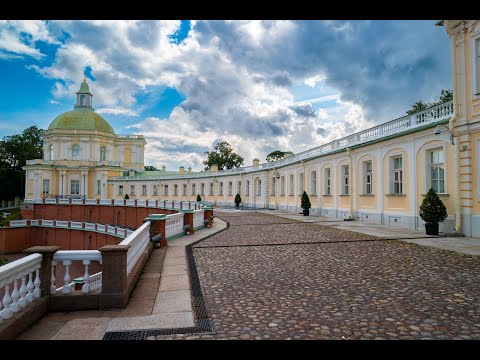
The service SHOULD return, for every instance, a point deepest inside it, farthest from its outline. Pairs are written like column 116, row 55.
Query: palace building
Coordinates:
column 378, row 175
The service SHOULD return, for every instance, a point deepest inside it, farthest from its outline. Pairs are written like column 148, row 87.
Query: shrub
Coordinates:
column 306, row 204
column 126, row 197
column 199, row 198
column 3, row 261
column 237, row 200
column 432, row 209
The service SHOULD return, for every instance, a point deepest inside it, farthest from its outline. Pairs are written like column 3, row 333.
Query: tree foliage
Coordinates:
column 432, row 209
column 306, row 204
column 15, row 150
column 223, row 156
column 445, row 95
column 199, row 198
column 238, row 199
column 277, row 155
column 150, row 168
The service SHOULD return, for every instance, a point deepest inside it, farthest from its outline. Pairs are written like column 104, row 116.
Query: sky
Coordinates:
column 185, row 85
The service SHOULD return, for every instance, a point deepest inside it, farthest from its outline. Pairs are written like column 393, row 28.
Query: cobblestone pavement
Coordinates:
column 373, row 289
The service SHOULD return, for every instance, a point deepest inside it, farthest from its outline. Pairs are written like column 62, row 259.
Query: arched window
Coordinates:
column 75, row 151
column 259, row 188
column 50, row 149
column 103, row 153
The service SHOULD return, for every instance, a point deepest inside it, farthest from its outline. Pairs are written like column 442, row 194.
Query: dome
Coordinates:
column 81, row 119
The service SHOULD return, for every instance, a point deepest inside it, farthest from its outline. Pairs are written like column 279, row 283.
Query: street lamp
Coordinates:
column 438, row 131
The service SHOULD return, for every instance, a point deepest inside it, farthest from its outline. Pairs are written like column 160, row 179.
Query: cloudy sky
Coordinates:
column 259, row 85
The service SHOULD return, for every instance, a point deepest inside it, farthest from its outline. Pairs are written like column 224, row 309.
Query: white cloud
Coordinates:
column 54, row 102
column 117, row 111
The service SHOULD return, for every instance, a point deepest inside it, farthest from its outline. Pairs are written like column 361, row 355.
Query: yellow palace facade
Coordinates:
column 378, row 175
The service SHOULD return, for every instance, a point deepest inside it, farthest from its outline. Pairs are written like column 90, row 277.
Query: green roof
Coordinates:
column 81, row 119
column 84, row 89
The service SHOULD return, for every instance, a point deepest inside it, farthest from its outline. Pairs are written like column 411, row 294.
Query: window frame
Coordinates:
column 345, row 179
column 441, row 166
column 133, row 189
column 46, row 181
column 367, row 177
column 120, row 190
column 144, row 190
column 328, row 181
column 394, row 171
column 313, row 182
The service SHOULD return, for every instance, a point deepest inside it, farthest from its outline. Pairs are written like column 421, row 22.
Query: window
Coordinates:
column 367, row 178
column 247, row 188
column 202, row 189
column 230, row 187
column 327, row 182
column 51, row 152
column 165, row 190
column 83, row 100
column 437, row 170
column 291, row 185
column 300, row 183
column 194, row 189
column 211, row 188
column 397, row 175
column 282, row 185
column 477, row 66
column 75, row 151
column 120, row 189
column 345, row 179
column 272, row 187
column 259, row 187
column 103, row 153
column 75, row 187
column 155, row 190
column 144, row 190
column 239, row 187
column 220, row 188
column 99, row 187
column 184, row 190
column 175, row 190
column 46, row 186
column 132, row 190
column 313, row 183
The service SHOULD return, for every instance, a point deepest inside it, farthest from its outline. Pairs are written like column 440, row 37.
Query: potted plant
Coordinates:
column 306, row 205
column 199, row 198
column 237, row 200
column 432, row 211
column 126, row 197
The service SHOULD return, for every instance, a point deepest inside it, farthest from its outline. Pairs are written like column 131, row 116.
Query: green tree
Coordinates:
column 277, row 155
column 223, row 156
column 432, row 209
column 199, row 198
column 237, row 200
column 445, row 95
column 150, row 168
column 418, row 106
column 305, row 204
column 15, row 150
column 126, row 197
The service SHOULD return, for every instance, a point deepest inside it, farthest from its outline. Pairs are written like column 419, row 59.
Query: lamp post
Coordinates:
column 438, row 131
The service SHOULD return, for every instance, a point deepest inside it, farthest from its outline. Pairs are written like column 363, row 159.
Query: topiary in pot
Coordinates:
column 126, row 197
column 306, row 204
column 199, row 198
column 432, row 211
column 237, row 200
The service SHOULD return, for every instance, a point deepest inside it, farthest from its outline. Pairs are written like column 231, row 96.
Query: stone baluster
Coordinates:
column 37, row 291
column 66, row 279
column 86, row 278
column 53, row 288
column 15, row 296
column 7, row 300
column 30, row 287
column 23, row 291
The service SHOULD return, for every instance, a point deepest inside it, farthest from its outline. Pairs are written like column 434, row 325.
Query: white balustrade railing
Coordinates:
column 67, row 257
column 18, row 223
column 119, row 202
column 185, row 205
column 61, row 223
column 95, row 282
column 111, row 229
column 28, row 201
column 151, row 203
column 50, row 201
column 64, row 201
column 48, row 223
column 24, row 275
column 106, row 202
column 130, row 202
column 101, row 228
column 174, row 225
column 90, row 226
column 91, row 202
column 128, row 232
column 176, row 204
column 198, row 217
column 76, row 225
column 120, row 232
column 35, row 222
column 142, row 203
column 168, row 204
column 38, row 201
column 138, row 241
column 77, row 201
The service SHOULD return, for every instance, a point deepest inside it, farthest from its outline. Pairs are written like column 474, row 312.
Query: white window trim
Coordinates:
column 301, row 180
column 312, row 182
column 144, row 190
column 165, row 190
column 426, row 163
column 291, row 184
column 184, row 190
column 123, row 190
column 259, row 187
column 364, row 177
column 230, row 188
column 342, row 168
column 175, row 189
column 390, row 158
column 272, row 186
column 247, row 188
column 282, row 185
column 328, row 180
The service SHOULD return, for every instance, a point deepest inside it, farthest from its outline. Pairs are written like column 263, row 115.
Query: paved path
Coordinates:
column 268, row 277
column 160, row 300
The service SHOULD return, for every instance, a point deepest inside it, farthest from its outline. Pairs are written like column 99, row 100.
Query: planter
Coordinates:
column 431, row 229
column 237, row 206
column 306, row 212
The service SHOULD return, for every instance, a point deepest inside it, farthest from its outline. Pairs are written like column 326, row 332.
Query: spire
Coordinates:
column 84, row 96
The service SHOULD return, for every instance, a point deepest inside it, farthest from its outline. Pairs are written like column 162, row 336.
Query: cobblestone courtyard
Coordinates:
column 268, row 277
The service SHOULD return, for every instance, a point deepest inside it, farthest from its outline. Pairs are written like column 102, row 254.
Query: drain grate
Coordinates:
column 144, row 334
